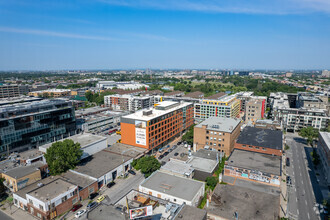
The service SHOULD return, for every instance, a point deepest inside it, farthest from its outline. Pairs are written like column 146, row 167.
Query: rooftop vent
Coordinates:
column 147, row 112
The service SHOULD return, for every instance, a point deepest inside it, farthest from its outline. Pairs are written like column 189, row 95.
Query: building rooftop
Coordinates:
column 20, row 99
column 189, row 212
column 255, row 161
column 126, row 150
column 220, row 124
column 53, row 90
column 202, row 164
column 77, row 179
column 178, row 167
column 106, row 212
column 249, row 204
column 261, row 137
column 101, row 163
column 51, row 190
column 155, row 112
column 216, row 96
column 19, row 172
column 85, row 140
column 208, row 154
column 88, row 111
column 195, row 95
column 173, row 185
column 30, row 154
column 326, row 138
column 174, row 93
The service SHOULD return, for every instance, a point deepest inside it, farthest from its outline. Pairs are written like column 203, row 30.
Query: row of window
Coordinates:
column 254, row 147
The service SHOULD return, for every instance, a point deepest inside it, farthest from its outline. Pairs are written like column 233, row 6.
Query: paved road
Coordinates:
column 302, row 194
column 4, row 216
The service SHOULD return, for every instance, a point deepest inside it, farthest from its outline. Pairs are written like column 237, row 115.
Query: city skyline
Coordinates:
column 54, row 35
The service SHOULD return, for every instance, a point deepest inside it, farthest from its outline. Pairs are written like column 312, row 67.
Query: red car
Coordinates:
column 76, row 207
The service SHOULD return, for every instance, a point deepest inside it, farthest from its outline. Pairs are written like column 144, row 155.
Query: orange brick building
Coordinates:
column 155, row 127
column 265, row 141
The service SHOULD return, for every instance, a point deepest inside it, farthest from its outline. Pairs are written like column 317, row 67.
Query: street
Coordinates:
column 304, row 191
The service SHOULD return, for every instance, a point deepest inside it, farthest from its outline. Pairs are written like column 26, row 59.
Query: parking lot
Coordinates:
column 179, row 152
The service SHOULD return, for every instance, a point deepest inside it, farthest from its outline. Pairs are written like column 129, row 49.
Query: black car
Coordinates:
column 109, row 185
column 131, row 172
column 176, row 154
column 93, row 195
column 161, row 157
column 288, row 180
column 166, row 153
column 179, row 143
column 287, row 162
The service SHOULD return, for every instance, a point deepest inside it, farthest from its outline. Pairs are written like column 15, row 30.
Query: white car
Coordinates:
column 80, row 213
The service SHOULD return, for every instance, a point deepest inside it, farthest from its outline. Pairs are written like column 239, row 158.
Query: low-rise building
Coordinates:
column 47, row 199
column 228, row 200
column 254, row 166
column 20, row 177
column 323, row 149
column 265, row 141
column 173, row 188
column 128, row 102
column 203, row 167
column 218, row 133
column 179, row 168
column 255, row 110
column 89, row 143
column 55, row 93
column 188, row 212
column 13, row 90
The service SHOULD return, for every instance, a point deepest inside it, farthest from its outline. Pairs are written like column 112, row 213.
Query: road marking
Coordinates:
column 293, row 172
column 303, row 191
column 298, row 211
column 295, row 189
column 305, row 201
column 300, row 174
column 296, row 199
column 308, row 216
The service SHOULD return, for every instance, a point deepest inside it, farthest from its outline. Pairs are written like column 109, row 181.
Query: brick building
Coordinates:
column 154, row 127
column 217, row 133
column 260, row 140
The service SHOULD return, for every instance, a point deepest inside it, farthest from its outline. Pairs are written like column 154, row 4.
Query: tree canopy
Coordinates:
column 189, row 136
column 147, row 165
column 62, row 156
column 310, row 133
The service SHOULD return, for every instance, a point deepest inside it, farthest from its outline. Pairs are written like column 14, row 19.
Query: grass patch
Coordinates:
column 203, row 202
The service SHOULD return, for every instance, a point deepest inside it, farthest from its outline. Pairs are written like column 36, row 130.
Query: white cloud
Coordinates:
column 230, row 6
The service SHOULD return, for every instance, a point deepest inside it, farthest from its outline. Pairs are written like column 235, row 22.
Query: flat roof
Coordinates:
column 189, row 212
column 203, row 164
column 19, row 172
column 77, row 179
column 249, row 204
column 30, row 154
column 126, row 150
column 179, row 167
column 84, row 140
column 173, row 93
column 90, row 110
column 221, row 124
column 155, row 112
column 326, row 138
column 173, row 185
column 255, row 161
column 196, row 94
column 216, row 96
column 261, row 137
column 51, row 190
column 101, row 163
column 106, row 212
column 208, row 154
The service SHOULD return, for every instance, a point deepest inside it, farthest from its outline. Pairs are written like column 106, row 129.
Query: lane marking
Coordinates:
column 296, row 199
column 305, row 201
column 303, row 191
column 308, row 215
column 295, row 189
column 300, row 173
column 298, row 211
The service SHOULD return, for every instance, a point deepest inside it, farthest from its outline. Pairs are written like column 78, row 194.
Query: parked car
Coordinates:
column 179, row 143
column 288, row 180
column 93, row 195
column 109, row 185
column 287, row 162
column 166, row 153
column 160, row 157
column 80, row 213
column 176, row 154
column 91, row 205
column 76, row 207
column 131, row 172
column 100, row 199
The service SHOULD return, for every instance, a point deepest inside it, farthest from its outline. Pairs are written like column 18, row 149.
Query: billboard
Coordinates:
column 140, row 212
column 140, row 132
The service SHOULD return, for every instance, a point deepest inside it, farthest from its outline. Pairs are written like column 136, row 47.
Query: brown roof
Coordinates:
column 195, row 95
column 174, row 93
column 124, row 92
column 217, row 95
column 153, row 92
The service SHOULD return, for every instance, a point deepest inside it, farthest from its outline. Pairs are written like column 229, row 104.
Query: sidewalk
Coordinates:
column 17, row 213
column 284, row 193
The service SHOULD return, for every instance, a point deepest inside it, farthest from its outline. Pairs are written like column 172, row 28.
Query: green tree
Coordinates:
column 189, row 136
column 211, row 181
column 89, row 96
column 309, row 133
column 2, row 187
column 147, row 165
column 62, row 156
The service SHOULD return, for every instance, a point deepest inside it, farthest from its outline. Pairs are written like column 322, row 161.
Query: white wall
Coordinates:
column 94, row 148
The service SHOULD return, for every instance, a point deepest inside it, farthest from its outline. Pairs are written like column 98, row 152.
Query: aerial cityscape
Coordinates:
column 164, row 110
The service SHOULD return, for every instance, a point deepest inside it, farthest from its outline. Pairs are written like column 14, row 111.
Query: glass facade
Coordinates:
column 29, row 125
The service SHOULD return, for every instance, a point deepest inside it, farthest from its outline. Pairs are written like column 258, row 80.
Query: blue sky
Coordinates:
column 111, row 34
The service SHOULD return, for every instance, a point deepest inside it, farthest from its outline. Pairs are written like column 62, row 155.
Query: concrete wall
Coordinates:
column 257, row 149
column 94, row 148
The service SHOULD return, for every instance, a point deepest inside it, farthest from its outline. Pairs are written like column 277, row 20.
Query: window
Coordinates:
column 39, row 215
column 215, row 133
column 211, row 143
column 214, row 144
column 41, row 207
column 263, row 148
column 219, row 139
column 64, row 198
column 207, row 137
column 211, row 138
column 74, row 201
column 243, row 145
column 257, row 147
column 207, row 132
column 219, row 145
column 211, row 132
column 250, row 146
